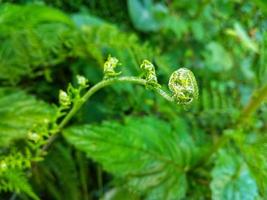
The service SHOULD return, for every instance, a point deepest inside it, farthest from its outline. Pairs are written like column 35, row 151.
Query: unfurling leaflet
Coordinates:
column 109, row 67
column 149, row 73
column 64, row 98
column 82, row 81
column 183, row 85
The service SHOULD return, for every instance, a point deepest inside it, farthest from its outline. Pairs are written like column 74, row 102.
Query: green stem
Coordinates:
column 255, row 101
column 92, row 91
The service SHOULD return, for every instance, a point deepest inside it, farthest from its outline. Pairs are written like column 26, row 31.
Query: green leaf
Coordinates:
column 145, row 15
column 231, row 178
column 16, row 181
column 119, row 194
column 254, row 151
column 35, row 15
column 20, row 113
column 86, row 19
column 145, row 152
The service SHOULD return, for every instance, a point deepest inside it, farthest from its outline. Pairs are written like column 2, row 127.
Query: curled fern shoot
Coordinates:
column 64, row 99
column 183, row 85
column 82, row 81
column 109, row 67
column 149, row 73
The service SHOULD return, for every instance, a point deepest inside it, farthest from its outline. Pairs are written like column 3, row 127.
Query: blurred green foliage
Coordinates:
column 127, row 142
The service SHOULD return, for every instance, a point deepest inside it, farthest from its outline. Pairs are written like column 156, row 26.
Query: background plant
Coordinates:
column 127, row 142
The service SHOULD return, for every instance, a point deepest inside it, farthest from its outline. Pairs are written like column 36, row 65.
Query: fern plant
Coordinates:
column 182, row 84
column 124, row 142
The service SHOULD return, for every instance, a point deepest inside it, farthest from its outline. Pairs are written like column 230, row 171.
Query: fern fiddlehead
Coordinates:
column 109, row 67
column 149, row 73
column 183, row 85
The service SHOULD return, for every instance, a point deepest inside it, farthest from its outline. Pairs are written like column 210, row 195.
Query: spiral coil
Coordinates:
column 183, row 85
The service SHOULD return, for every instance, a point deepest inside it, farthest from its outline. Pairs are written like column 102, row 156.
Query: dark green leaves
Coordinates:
column 145, row 152
column 43, row 37
column 61, row 170
column 231, row 178
column 19, row 114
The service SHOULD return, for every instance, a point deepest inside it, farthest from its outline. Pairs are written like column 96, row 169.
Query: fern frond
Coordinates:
column 43, row 37
column 16, row 181
column 103, row 40
column 46, row 37
column 22, row 116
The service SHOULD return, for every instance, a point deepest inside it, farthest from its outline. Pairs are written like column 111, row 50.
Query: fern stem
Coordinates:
column 255, row 101
column 93, row 90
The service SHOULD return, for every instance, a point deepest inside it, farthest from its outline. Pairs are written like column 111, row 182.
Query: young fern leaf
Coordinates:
column 188, row 85
column 64, row 99
column 82, row 81
column 109, row 68
column 183, row 85
column 149, row 73
column 40, row 140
